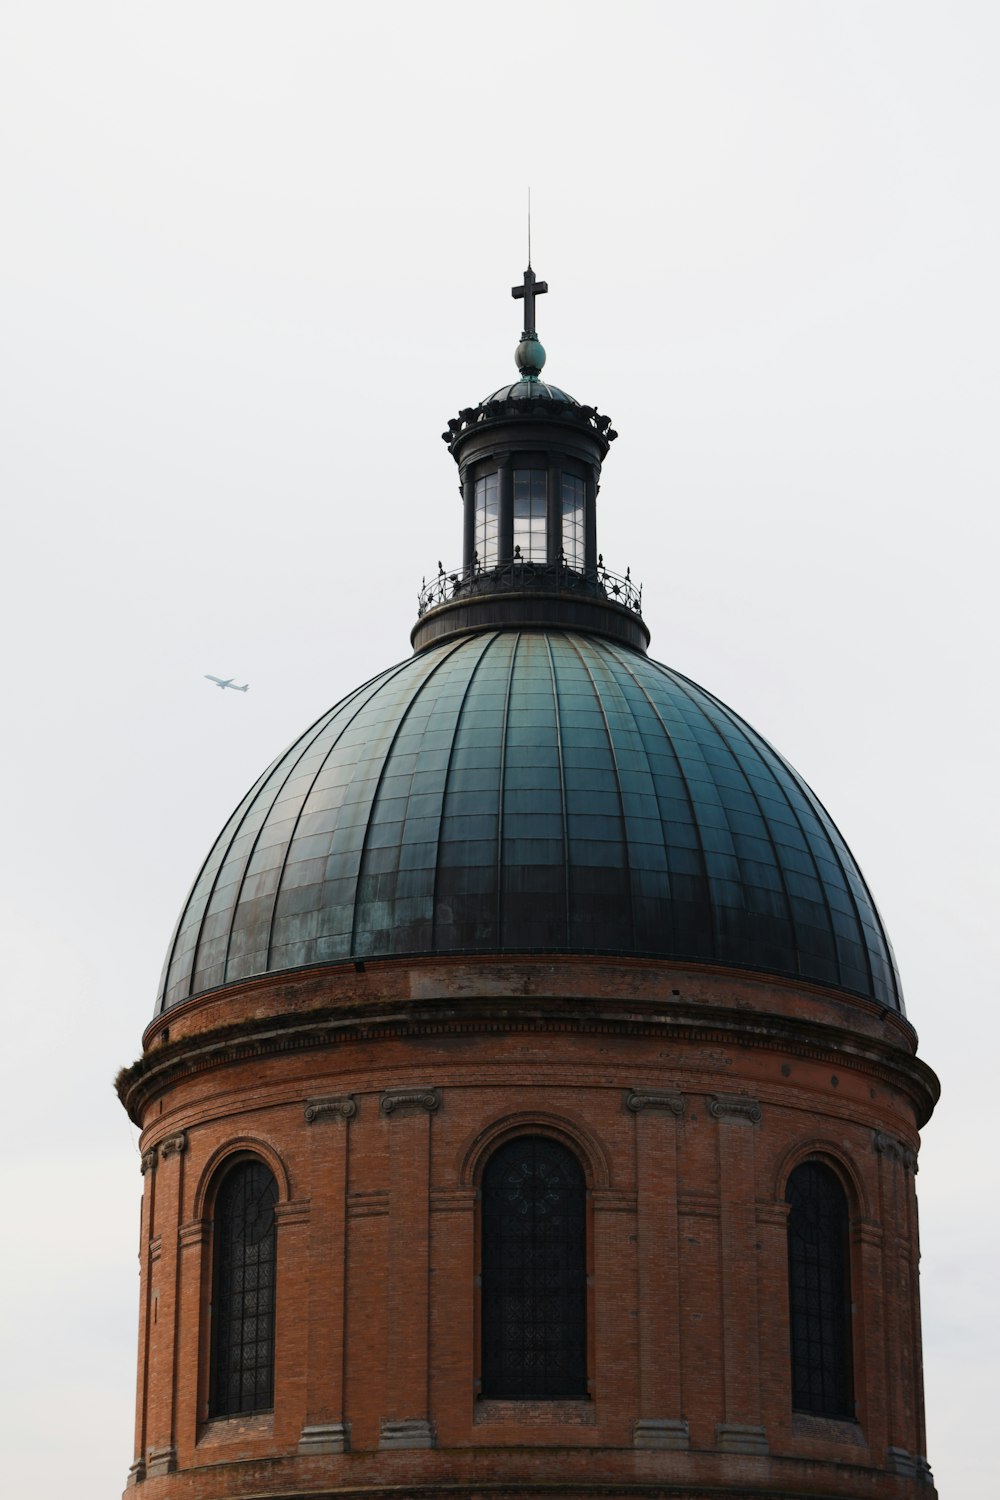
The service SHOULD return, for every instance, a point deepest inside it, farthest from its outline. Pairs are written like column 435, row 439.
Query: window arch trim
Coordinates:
column 569, row 1132
column 219, row 1162
column 826, row 1154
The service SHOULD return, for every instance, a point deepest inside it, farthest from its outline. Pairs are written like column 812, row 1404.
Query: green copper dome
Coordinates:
column 531, row 790
column 529, row 389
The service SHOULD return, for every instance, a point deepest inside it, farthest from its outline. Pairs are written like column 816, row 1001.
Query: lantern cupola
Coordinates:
column 529, row 458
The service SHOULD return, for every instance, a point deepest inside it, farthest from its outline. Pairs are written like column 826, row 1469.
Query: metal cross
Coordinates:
column 529, row 291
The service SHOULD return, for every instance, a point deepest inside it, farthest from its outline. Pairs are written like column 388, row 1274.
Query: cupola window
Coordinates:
column 487, row 520
column 573, row 497
column 534, row 1275
column 245, row 1252
column 530, row 515
column 819, row 1293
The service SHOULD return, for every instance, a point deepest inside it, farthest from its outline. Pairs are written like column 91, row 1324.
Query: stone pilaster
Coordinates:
column 741, row 1430
column 325, row 1429
column 161, row 1450
column 659, row 1423
column 408, row 1113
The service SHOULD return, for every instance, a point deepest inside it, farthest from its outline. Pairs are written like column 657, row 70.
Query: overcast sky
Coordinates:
column 253, row 257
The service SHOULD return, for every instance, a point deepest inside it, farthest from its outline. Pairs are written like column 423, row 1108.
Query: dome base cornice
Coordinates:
column 397, row 999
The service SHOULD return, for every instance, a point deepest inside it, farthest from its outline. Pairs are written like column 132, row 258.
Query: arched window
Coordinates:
column 245, row 1246
column 819, row 1292
column 534, row 1274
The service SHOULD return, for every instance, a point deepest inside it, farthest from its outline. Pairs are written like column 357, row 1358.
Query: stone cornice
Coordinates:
column 683, row 1022
column 285, row 989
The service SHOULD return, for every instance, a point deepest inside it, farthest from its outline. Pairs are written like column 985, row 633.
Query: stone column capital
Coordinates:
column 427, row 1098
column 340, row 1106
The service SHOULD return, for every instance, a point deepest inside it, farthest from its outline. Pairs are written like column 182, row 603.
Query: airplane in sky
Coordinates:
column 230, row 682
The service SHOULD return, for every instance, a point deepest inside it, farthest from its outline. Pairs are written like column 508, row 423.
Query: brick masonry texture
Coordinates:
column 376, row 1095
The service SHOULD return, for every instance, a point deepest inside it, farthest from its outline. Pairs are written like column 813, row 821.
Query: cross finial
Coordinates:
column 529, row 290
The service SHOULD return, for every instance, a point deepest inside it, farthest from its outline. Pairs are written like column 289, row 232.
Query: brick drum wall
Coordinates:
column 376, row 1094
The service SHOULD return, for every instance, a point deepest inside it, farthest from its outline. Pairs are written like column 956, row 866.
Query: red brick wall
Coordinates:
column 688, row 1095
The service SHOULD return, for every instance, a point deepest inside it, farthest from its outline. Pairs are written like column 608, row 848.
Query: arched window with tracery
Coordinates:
column 245, row 1245
column 819, row 1292
column 534, row 1273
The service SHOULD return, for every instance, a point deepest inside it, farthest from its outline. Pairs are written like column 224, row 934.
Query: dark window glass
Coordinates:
column 487, row 520
column 530, row 525
column 245, row 1245
column 573, row 494
column 534, row 1282
column 819, row 1292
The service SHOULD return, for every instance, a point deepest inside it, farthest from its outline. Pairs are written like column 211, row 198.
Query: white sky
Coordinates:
column 254, row 256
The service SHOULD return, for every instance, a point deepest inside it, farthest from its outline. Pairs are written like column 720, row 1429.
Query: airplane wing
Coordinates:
column 222, row 682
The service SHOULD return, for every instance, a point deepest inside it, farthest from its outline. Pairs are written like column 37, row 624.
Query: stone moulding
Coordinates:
column 294, row 1211
column 325, row 1437
column 419, row 1098
column 660, row 1432
column 146, row 1080
column 342, row 1107
column 195, row 1232
column 901, row 1462
column 147, row 1161
column 734, row 1107
column 412, row 1432
column 636, row 1100
column 161, row 1461
column 737, row 1437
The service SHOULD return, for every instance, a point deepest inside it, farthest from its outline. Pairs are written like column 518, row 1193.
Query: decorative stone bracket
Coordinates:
column 422, row 1098
column 636, row 1100
column 887, row 1145
column 342, row 1107
column 734, row 1107
column 171, row 1145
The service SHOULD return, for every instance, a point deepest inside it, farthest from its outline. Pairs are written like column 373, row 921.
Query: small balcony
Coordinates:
column 518, row 576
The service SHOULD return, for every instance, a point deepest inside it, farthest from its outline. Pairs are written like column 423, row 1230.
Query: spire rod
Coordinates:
column 529, row 356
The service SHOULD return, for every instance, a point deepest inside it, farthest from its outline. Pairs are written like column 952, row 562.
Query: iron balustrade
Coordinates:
column 518, row 574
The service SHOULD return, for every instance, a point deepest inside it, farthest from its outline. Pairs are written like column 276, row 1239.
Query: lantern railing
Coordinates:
column 519, row 575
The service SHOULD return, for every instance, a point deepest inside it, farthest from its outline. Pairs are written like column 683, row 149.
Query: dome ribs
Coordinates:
column 531, row 789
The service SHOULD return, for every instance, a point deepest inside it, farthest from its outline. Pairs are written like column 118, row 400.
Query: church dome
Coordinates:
column 529, row 390
column 539, row 790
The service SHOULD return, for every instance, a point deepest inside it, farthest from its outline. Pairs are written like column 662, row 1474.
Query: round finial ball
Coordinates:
column 529, row 356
